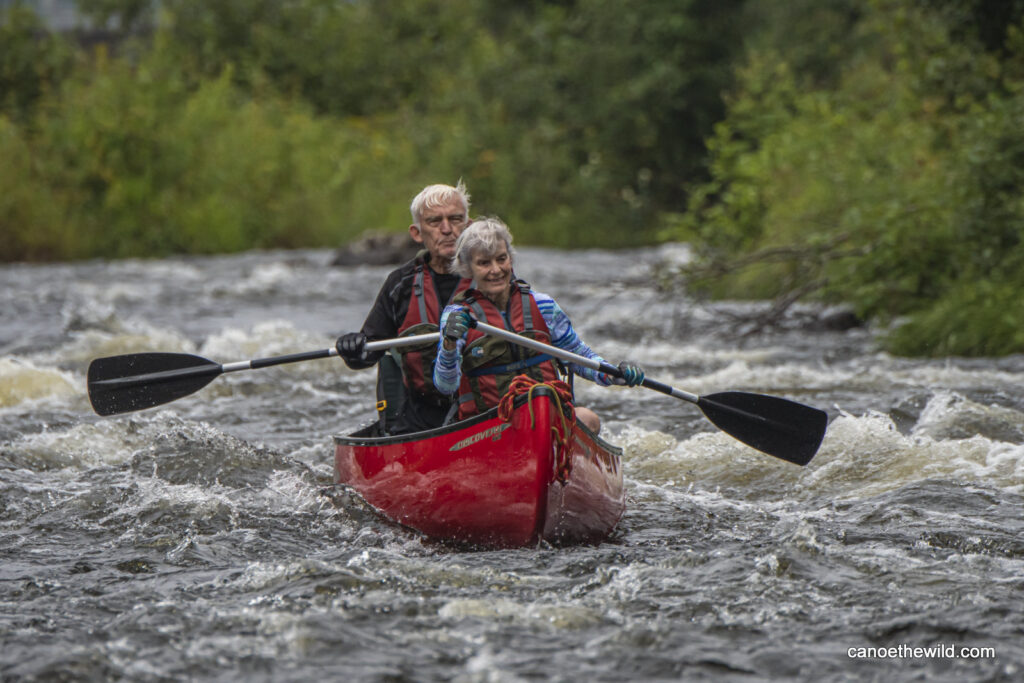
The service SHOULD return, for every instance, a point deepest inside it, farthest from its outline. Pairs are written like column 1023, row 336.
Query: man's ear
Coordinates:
column 414, row 231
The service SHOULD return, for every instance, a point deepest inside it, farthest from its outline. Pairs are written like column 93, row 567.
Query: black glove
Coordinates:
column 350, row 346
column 458, row 324
column 632, row 374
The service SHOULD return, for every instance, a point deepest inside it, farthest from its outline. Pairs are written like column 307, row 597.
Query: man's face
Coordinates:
column 439, row 227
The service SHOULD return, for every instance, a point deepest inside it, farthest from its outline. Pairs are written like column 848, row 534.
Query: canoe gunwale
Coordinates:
column 357, row 439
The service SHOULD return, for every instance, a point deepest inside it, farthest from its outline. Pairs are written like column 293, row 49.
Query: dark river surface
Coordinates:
column 200, row 540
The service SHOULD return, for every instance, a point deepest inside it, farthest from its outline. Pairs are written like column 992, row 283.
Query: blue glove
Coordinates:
column 632, row 375
column 350, row 346
column 458, row 324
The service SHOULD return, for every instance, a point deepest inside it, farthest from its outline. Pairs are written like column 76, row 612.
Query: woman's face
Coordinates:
column 492, row 273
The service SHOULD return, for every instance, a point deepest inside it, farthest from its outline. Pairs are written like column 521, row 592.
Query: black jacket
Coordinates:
column 383, row 321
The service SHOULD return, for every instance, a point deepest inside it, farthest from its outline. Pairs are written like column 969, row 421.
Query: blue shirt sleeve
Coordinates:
column 564, row 337
column 448, row 369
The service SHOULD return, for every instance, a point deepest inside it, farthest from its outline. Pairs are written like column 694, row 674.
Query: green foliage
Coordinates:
column 31, row 220
column 981, row 318
column 32, row 61
column 609, row 102
column 575, row 121
column 866, row 151
column 906, row 160
column 570, row 119
column 128, row 15
column 136, row 164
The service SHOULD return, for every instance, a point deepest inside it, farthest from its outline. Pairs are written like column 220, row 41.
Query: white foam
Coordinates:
column 130, row 337
column 23, row 381
column 860, row 456
column 263, row 279
column 548, row 615
column 866, row 455
column 950, row 415
column 107, row 442
column 269, row 338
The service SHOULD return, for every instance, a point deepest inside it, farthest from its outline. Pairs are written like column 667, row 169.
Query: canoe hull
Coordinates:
column 489, row 482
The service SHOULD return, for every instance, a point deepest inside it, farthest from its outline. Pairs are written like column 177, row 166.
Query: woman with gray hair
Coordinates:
column 480, row 368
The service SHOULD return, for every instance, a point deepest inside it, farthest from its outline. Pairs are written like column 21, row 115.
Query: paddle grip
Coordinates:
column 666, row 389
column 609, row 369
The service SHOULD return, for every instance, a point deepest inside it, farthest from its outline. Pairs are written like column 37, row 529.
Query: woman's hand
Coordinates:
column 457, row 326
column 632, row 374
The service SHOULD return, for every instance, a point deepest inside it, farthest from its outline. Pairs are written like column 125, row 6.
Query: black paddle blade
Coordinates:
column 773, row 425
column 121, row 384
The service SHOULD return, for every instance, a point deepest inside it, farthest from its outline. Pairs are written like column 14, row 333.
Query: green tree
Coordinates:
column 124, row 15
column 893, row 184
column 32, row 60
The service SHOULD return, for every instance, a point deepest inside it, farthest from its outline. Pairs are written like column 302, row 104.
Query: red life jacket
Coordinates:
column 423, row 317
column 489, row 364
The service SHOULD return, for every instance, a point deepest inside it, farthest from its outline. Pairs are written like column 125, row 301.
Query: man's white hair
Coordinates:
column 433, row 196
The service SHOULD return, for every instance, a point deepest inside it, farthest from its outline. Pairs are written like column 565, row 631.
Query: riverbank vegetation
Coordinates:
column 865, row 152
column 875, row 156
column 200, row 127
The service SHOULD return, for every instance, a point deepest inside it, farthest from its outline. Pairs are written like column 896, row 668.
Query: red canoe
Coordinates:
column 489, row 482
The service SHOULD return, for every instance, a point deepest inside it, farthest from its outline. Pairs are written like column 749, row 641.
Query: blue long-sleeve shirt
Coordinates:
column 448, row 369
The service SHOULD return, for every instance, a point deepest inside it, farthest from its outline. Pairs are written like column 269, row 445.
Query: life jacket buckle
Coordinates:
column 382, row 406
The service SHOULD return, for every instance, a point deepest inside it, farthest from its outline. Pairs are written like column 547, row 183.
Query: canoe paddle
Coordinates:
column 121, row 384
column 776, row 426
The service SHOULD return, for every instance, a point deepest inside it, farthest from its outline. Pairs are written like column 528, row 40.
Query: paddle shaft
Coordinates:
column 569, row 357
column 776, row 426
column 214, row 369
column 382, row 345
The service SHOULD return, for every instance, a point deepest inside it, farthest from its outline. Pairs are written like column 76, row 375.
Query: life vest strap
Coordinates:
column 510, row 367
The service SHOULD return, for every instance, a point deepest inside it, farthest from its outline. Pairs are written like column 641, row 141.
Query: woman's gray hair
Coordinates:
column 484, row 236
column 433, row 196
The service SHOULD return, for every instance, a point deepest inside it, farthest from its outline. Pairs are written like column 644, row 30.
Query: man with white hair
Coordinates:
column 477, row 369
column 410, row 302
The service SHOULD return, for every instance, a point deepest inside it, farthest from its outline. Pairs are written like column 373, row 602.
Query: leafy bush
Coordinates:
column 32, row 61
column 895, row 187
column 867, row 151
column 577, row 122
column 134, row 163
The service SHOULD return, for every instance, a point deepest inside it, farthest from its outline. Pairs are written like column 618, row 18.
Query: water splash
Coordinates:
column 22, row 382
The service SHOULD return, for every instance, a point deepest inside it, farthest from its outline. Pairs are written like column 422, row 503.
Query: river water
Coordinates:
column 200, row 540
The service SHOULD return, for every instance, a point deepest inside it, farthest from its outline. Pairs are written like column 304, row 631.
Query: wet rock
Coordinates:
column 839, row 319
column 136, row 566
column 377, row 248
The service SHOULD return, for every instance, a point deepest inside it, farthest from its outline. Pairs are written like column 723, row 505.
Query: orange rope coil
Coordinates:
column 561, row 429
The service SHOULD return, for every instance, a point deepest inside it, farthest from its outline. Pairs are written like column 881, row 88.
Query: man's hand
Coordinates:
column 350, row 346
